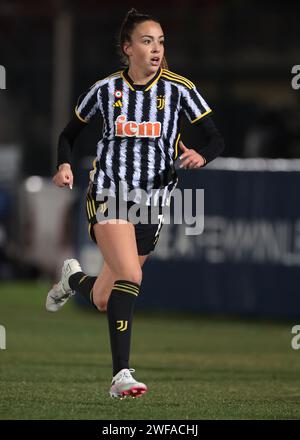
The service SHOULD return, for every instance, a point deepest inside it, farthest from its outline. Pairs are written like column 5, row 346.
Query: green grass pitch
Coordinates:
column 57, row 366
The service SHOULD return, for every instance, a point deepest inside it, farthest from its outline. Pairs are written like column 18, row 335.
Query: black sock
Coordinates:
column 83, row 284
column 120, row 313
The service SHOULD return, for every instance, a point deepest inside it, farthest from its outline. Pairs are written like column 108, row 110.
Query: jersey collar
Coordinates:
column 144, row 87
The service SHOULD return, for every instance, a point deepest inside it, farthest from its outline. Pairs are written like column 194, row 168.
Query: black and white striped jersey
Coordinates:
column 141, row 131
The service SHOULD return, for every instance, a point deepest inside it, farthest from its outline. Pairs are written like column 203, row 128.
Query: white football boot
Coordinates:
column 123, row 385
column 61, row 292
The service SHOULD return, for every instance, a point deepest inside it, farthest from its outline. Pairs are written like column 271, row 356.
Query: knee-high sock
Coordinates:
column 120, row 308
column 83, row 284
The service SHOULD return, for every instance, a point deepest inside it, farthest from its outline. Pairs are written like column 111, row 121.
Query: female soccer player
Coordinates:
column 141, row 107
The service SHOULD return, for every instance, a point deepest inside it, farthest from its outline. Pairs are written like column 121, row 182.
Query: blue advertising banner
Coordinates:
column 247, row 259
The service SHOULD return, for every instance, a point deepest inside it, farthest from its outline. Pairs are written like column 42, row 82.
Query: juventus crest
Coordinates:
column 160, row 102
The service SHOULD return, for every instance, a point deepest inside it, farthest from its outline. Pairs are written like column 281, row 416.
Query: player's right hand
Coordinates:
column 64, row 176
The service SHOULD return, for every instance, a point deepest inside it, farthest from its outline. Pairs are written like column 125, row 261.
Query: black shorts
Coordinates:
column 108, row 207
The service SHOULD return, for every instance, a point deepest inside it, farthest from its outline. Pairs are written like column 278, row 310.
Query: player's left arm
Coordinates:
column 211, row 145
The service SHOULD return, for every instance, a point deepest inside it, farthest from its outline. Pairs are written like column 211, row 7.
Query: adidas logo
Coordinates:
column 118, row 103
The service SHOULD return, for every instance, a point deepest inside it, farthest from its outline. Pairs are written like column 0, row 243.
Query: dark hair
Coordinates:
column 132, row 18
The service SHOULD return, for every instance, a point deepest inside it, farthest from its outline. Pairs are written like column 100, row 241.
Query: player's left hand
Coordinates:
column 190, row 158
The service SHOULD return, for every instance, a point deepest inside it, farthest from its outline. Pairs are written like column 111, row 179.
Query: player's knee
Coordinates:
column 134, row 275
column 100, row 303
column 102, row 306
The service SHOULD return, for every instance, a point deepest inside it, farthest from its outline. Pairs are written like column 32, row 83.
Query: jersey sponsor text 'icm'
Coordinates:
column 132, row 128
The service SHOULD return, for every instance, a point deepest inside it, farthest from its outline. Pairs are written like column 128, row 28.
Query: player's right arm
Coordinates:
column 86, row 108
column 64, row 175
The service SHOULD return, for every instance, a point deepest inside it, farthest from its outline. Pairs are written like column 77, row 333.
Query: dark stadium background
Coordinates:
column 243, row 269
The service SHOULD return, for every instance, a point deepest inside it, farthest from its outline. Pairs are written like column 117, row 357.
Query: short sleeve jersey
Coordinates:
column 141, row 131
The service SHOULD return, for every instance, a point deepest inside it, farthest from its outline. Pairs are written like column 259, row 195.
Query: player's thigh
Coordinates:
column 142, row 259
column 117, row 243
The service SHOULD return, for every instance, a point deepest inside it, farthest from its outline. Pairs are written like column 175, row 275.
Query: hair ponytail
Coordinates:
column 164, row 64
column 132, row 14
